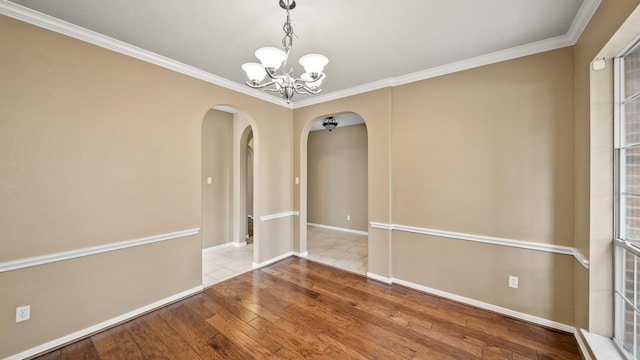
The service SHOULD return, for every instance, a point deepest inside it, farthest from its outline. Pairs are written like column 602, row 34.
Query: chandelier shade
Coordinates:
column 313, row 63
column 271, row 59
column 255, row 72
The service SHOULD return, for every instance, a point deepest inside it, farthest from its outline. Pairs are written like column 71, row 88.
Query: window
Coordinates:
column 627, row 197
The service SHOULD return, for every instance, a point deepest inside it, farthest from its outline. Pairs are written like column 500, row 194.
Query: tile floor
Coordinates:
column 343, row 250
column 225, row 263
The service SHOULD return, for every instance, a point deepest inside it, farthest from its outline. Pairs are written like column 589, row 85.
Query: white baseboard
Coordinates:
column 273, row 260
column 377, row 277
column 583, row 347
column 487, row 306
column 239, row 244
column 604, row 345
column 217, row 247
column 301, row 254
column 103, row 325
column 335, row 228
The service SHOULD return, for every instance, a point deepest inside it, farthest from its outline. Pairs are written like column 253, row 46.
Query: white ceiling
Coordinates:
column 366, row 41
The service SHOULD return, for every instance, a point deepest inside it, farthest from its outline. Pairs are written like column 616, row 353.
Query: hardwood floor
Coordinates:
column 299, row 309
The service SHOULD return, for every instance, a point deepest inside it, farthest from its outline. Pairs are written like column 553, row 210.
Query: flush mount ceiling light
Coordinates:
column 271, row 59
column 330, row 123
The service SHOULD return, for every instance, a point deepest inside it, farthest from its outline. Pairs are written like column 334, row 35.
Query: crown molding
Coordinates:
column 580, row 22
column 586, row 11
column 60, row 26
column 318, row 99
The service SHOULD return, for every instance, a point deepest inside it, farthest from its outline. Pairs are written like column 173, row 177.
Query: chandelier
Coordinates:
column 330, row 123
column 271, row 59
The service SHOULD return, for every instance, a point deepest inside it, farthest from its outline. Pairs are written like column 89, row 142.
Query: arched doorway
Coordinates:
column 227, row 171
column 337, row 193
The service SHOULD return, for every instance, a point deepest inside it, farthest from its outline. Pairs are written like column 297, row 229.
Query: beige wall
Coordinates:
column 337, row 177
column 217, row 160
column 480, row 272
column 495, row 159
column 593, row 164
column 489, row 152
column 99, row 148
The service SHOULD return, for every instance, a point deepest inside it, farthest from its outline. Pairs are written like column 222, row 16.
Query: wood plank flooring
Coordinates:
column 299, row 309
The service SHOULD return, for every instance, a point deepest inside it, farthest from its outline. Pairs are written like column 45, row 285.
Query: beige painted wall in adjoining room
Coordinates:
column 100, row 148
column 374, row 108
column 217, row 160
column 337, row 177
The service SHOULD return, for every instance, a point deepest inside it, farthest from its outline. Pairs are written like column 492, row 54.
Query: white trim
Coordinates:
column 380, row 278
column 487, row 306
column 104, row 325
column 60, row 26
column 217, row 247
column 301, row 254
column 581, row 345
column 580, row 22
column 340, row 94
column 273, row 260
column 225, row 245
column 529, row 245
column 581, row 258
column 72, row 254
column 382, row 226
column 601, row 347
column 578, row 25
column 335, row 228
column 279, row 215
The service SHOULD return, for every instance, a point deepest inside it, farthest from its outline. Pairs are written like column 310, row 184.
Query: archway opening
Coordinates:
column 229, row 146
column 337, row 192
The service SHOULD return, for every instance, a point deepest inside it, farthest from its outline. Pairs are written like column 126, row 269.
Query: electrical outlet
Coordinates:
column 23, row 313
column 348, row 217
column 513, row 281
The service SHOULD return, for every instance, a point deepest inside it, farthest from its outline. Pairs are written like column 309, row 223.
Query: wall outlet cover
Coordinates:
column 23, row 313
column 513, row 281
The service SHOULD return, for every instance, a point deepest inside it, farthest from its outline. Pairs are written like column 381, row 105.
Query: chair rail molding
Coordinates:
column 529, row 245
column 72, row 254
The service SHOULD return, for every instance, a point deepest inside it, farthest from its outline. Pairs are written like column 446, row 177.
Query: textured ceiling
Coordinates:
column 365, row 40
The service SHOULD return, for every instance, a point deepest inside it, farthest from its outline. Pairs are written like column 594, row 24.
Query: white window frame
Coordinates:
column 621, row 244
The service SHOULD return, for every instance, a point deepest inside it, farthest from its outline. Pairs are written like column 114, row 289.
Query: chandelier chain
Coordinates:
column 287, row 40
